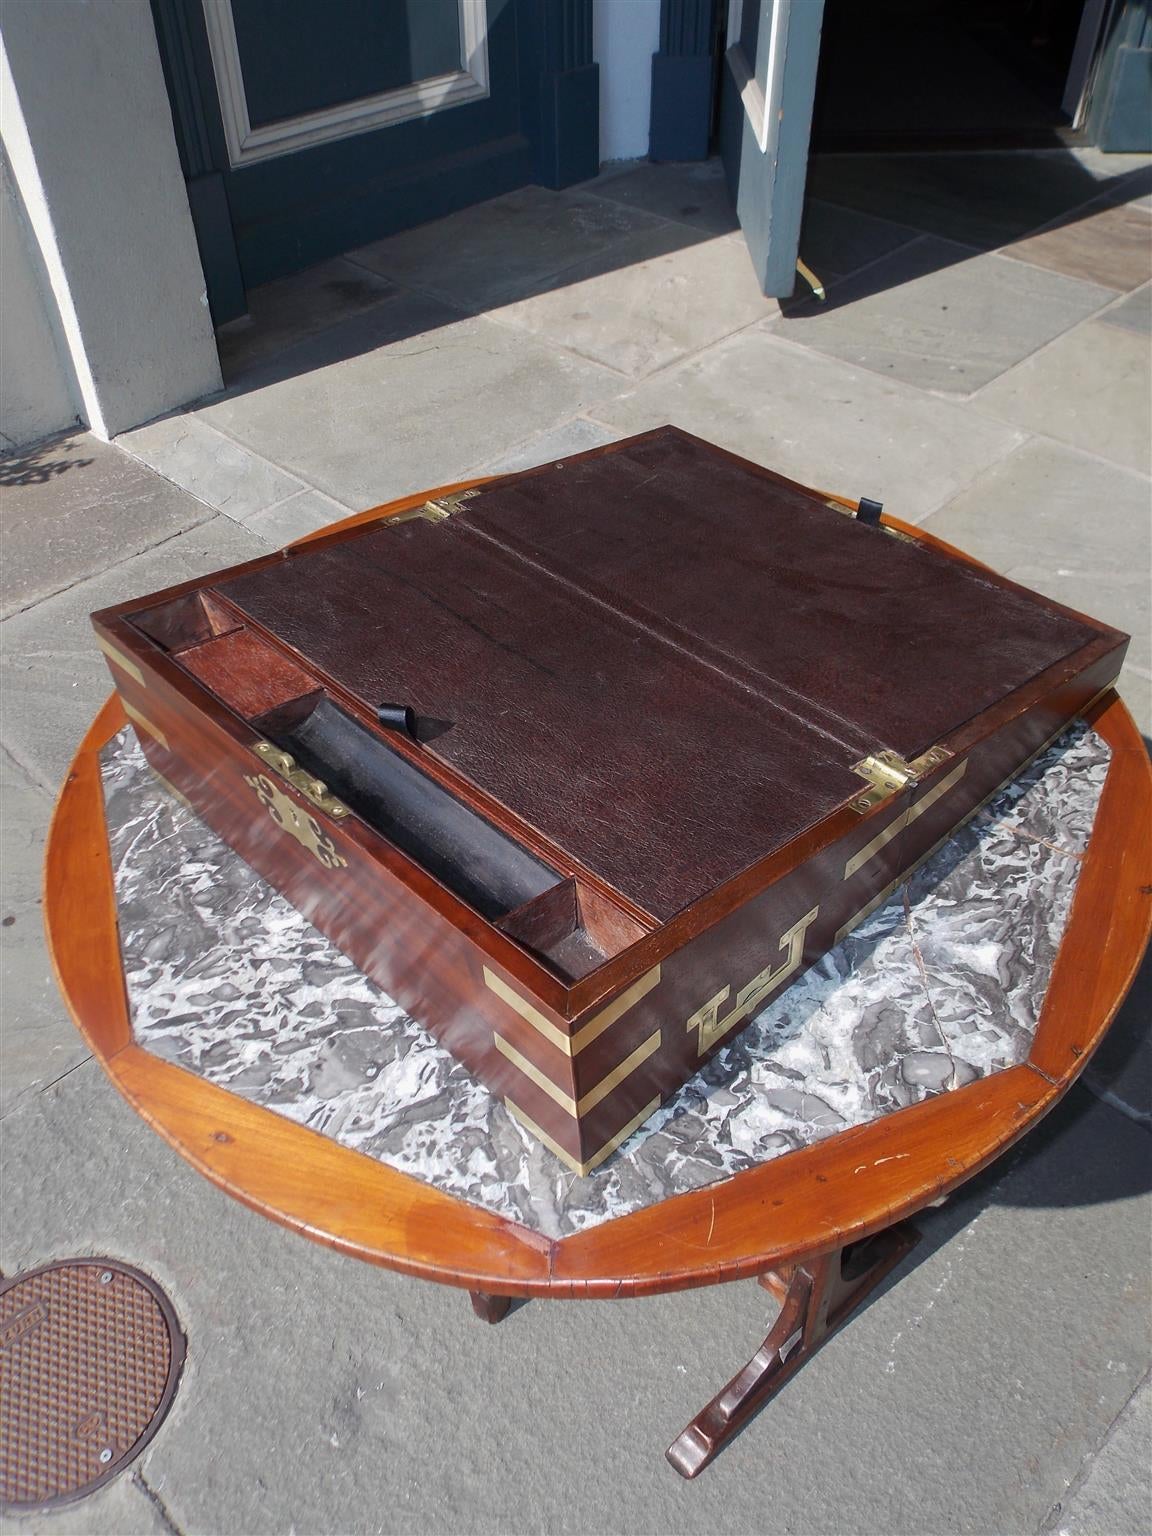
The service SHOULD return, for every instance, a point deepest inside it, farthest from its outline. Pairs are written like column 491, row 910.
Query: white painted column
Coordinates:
column 88, row 132
column 625, row 35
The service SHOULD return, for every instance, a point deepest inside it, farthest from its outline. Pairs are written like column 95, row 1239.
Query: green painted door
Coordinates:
column 308, row 128
column 766, row 116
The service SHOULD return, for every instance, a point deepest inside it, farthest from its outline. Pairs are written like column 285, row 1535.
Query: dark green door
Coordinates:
column 766, row 116
column 308, row 127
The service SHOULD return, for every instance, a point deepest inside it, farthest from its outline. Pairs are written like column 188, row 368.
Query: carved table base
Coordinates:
column 816, row 1297
column 490, row 1309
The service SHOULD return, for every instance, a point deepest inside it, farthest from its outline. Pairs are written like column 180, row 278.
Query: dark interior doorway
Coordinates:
column 937, row 74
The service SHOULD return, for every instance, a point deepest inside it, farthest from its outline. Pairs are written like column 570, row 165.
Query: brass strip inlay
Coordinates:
column 116, row 655
column 626, row 1068
column 144, row 723
column 542, row 1135
column 527, row 1012
column 572, row 1045
column 905, row 819
column 594, row 1095
column 707, row 1019
column 597, row 1158
column 534, row 1075
column 596, row 1026
column 168, row 785
column 621, row 1136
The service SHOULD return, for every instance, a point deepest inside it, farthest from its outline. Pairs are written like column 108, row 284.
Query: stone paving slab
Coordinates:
column 1068, row 525
column 226, row 476
column 1109, row 245
column 52, row 675
column 942, row 317
column 284, row 312
column 1133, row 314
column 324, row 1395
column 38, row 1041
column 646, row 302
column 692, row 192
column 502, row 250
column 985, row 199
column 1090, row 388
column 73, row 505
column 844, row 429
column 1115, row 1496
column 575, row 436
column 371, row 410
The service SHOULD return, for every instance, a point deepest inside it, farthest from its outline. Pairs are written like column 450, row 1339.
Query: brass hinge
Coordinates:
column 313, row 789
column 434, row 511
column 444, row 506
column 888, row 773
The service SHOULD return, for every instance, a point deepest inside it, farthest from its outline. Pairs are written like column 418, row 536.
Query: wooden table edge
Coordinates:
column 856, row 1179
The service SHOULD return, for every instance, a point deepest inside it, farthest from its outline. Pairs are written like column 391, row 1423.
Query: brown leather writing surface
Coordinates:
column 662, row 660
column 886, row 643
column 658, row 772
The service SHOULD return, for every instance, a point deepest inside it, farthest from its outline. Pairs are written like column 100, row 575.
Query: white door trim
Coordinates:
column 423, row 97
column 761, row 99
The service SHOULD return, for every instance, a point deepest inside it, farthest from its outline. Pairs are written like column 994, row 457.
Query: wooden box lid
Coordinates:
column 664, row 659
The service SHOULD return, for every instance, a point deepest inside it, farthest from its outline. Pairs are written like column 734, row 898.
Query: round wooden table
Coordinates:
column 819, row 1228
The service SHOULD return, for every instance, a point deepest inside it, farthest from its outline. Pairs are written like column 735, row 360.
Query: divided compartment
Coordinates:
column 572, row 927
column 185, row 621
column 211, row 642
column 483, row 866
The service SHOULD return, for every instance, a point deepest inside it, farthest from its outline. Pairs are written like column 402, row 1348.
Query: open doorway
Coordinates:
column 936, row 74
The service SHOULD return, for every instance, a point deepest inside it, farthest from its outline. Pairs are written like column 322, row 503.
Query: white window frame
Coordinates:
column 761, row 99
column 247, row 145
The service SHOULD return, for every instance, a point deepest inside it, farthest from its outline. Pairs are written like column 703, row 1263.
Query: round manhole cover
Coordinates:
column 90, row 1353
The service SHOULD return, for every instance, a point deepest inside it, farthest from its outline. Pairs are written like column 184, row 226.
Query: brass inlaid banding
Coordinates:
column 171, row 789
column 599, row 1091
column 534, row 1075
column 541, row 1134
column 618, row 1074
column 572, row 1045
column 527, row 1012
column 596, row 1026
column 125, row 663
column 145, row 724
column 905, row 819
column 597, row 1158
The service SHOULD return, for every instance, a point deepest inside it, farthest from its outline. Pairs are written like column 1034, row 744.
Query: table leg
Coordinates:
column 490, row 1308
column 816, row 1296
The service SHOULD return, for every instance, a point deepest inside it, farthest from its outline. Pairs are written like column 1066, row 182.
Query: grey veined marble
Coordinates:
column 941, row 986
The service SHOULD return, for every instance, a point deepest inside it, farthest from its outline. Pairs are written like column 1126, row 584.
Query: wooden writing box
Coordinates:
column 679, row 725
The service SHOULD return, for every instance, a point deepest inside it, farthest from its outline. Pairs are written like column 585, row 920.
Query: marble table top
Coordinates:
column 940, row 986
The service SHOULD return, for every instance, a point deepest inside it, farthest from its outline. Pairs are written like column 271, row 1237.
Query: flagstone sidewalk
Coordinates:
column 982, row 367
